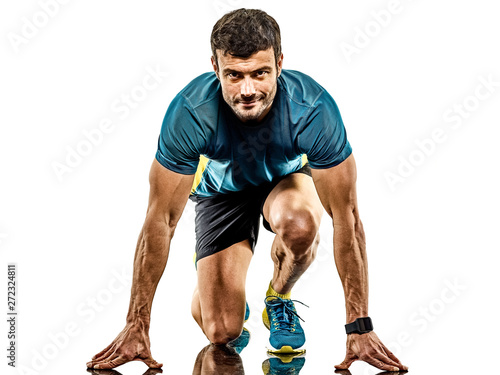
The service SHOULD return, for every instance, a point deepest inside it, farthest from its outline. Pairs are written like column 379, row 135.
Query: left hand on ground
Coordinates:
column 368, row 347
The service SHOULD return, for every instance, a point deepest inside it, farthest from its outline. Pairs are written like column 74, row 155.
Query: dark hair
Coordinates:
column 243, row 32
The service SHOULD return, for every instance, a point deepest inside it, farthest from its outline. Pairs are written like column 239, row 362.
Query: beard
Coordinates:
column 255, row 112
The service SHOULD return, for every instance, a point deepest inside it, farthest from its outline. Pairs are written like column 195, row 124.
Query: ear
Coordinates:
column 215, row 67
column 280, row 64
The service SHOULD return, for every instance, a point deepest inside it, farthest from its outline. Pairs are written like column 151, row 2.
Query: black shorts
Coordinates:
column 226, row 219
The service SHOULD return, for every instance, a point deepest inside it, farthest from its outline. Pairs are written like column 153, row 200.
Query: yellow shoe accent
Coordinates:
column 265, row 319
column 286, row 352
column 266, row 367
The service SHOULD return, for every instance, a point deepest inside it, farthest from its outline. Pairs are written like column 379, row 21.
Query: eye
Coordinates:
column 233, row 75
column 261, row 73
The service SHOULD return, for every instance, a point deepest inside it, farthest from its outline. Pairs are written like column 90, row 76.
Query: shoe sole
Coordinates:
column 286, row 350
column 286, row 358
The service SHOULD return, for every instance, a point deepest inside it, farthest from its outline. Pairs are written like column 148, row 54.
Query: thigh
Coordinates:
column 295, row 193
column 221, row 282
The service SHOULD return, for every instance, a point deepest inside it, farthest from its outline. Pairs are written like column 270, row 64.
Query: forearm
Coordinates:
column 352, row 266
column 149, row 263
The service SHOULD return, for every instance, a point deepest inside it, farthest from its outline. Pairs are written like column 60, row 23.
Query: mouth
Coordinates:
column 249, row 104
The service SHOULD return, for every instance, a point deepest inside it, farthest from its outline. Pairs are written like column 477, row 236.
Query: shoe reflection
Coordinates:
column 151, row 371
column 283, row 365
column 218, row 359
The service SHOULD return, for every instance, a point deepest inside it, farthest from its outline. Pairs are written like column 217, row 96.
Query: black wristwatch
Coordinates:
column 360, row 325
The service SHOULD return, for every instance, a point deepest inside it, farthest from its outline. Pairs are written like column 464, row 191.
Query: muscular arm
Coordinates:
column 336, row 188
column 337, row 191
column 169, row 192
column 168, row 195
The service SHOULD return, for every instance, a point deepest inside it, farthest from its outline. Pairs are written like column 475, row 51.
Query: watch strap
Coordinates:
column 360, row 325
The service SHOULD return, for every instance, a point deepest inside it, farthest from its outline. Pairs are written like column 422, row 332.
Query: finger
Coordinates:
column 110, row 354
column 152, row 363
column 394, row 358
column 106, row 354
column 96, row 364
column 92, row 364
column 112, row 363
column 349, row 359
column 102, row 352
column 387, row 360
column 380, row 365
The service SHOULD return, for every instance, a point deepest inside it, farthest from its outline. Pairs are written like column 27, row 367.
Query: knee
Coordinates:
column 298, row 229
column 221, row 331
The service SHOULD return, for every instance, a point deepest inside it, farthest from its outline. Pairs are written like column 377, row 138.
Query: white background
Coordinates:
column 71, row 237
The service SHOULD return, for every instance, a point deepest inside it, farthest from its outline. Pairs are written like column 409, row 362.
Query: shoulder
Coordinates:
column 300, row 88
column 201, row 90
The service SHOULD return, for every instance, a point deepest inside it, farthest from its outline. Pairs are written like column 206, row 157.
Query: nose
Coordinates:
column 247, row 87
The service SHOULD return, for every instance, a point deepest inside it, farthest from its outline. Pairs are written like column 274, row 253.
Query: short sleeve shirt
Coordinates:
column 303, row 120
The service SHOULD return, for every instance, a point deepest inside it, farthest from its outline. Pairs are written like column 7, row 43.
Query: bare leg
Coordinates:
column 294, row 212
column 219, row 300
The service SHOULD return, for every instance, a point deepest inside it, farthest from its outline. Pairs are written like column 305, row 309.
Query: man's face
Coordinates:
column 249, row 84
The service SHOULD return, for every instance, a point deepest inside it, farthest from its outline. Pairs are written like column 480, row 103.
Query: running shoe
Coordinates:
column 247, row 311
column 241, row 342
column 282, row 320
column 283, row 366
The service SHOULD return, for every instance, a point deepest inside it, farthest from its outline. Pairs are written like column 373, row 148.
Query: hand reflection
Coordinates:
column 218, row 359
column 150, row 371
column 347, row 372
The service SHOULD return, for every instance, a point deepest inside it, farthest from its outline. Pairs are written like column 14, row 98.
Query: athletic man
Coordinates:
column 253, row 124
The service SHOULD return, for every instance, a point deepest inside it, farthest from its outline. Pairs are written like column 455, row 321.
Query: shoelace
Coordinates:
column 284, row 311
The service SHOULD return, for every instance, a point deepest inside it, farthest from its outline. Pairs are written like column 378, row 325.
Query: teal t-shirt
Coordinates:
column 304, row 119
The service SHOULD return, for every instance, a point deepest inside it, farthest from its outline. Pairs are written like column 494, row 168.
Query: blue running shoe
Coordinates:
column 241, row 342
column 247, row 311
column 277, row 366
column 281, row 318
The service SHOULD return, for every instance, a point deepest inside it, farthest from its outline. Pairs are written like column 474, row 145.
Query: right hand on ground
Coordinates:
column 132, row 344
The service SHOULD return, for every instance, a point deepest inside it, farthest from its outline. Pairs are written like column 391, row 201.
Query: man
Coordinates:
column 252, row 122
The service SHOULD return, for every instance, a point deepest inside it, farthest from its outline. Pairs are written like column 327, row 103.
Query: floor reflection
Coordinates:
column 225, row 360
column 347, row 372
column 283, row 365
column 218, row 359
column 222, row 360
column 151, row 371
